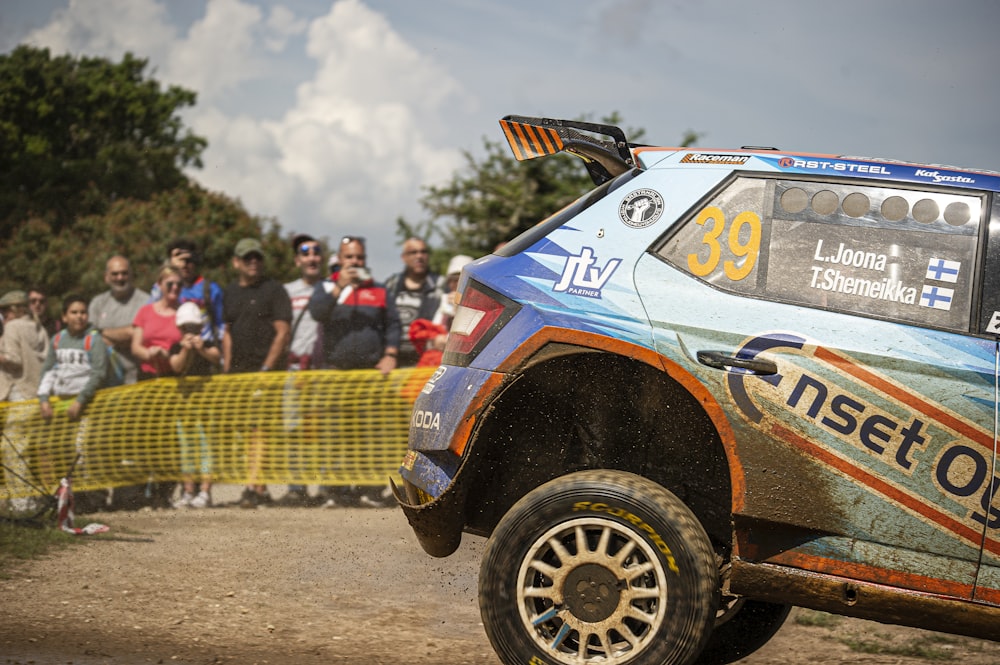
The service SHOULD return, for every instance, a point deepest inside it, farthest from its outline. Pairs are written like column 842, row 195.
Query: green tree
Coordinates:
column 94, row 157
column 79, row 134
column 497, row 197
column 73, row 259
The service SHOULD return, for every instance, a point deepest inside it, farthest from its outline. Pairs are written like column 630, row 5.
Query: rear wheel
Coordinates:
column 598, row 567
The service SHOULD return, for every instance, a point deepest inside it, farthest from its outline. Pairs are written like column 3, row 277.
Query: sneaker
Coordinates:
column 330, row 503
column 203, row 500
column 248, row 499
column 366, row 501
column 376, row 497
column 184, row 501
column 294, row 499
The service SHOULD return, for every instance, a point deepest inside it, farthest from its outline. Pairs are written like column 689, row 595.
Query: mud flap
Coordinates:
column 438, row 523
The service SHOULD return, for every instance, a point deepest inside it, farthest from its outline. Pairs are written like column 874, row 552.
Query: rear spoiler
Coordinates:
column 538, row 137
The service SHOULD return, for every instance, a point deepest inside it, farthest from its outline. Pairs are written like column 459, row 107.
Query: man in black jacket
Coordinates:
column 361, row 330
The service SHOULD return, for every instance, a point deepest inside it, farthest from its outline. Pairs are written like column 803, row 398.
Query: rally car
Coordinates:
column 722, row 383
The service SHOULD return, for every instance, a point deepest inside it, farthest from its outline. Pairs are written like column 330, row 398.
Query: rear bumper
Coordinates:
column 433, row 494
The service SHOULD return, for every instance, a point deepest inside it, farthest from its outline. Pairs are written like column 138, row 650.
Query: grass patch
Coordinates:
column 22, row 541
column 817, row 619
column 920, row 648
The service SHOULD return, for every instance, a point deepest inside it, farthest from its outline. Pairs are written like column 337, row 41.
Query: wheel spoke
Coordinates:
column 627, row 633
column 633, row 572
column 560, row 551
column 624, row 553
column 560, row 636
column 544, row 568
column 606, row 644
column 545, row 616
column 543, row 592
column 602, row 545
column 581, row 647
column 637, row 614
column 581, row 541
column 641, row 593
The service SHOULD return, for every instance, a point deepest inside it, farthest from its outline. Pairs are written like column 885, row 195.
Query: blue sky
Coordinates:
column 332, row 116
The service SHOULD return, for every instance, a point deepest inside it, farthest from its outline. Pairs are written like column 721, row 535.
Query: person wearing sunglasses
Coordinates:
column 38, row 304
column 154, row 328
column 304, row 350
column 182, row 253
column 361, row 330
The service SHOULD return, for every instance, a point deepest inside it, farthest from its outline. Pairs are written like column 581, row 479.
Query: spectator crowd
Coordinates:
column 335, row 315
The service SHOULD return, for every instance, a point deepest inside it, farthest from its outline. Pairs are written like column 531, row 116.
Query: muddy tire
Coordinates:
column 742, row 632
column 598, row 566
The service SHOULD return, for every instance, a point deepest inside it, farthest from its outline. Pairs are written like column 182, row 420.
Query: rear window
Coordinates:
column 887, row 252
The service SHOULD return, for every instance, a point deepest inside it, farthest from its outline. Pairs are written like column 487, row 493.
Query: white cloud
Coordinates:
column 107, row 28
column 353, row 151
column 283, row 25
column 219, row 51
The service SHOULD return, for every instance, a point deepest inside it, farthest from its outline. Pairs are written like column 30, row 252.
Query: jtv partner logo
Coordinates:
column 581, row 277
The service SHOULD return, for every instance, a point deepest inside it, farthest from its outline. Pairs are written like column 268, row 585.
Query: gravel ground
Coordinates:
column 308, row 586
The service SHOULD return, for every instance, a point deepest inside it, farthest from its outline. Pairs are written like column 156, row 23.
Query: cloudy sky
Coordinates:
column 332, row 115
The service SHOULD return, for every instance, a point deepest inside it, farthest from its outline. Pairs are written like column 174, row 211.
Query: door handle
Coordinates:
column 722, row 360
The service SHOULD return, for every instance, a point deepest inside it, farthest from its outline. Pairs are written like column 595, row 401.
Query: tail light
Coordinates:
column 480, row 315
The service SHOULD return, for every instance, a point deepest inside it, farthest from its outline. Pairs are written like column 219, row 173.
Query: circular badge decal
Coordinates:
column 641, row 208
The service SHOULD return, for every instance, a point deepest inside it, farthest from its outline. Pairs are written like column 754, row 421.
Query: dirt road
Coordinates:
column 304, row 587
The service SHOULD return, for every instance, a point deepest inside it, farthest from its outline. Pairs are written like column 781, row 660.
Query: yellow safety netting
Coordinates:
column 325, row 427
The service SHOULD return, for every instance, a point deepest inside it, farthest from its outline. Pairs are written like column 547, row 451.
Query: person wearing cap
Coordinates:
column 305, row 351
column 257, row 314
column 22, row 349
column 416, row 292
column 449, row 301
column 193, row 355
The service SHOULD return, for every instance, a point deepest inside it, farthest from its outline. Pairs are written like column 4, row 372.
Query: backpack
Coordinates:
column 115, row 373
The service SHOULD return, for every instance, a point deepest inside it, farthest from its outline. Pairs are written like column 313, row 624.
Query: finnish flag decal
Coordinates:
column 936, row 297
column 943, row 270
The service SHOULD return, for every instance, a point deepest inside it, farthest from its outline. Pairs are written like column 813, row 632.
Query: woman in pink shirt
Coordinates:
column 154, row 327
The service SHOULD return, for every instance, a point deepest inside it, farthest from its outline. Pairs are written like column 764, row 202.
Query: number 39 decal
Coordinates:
column 747, row 249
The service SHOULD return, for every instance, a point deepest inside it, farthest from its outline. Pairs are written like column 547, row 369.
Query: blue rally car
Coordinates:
column 722, row 383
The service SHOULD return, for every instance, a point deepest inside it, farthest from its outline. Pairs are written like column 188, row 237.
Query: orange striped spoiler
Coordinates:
column 530, row 141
